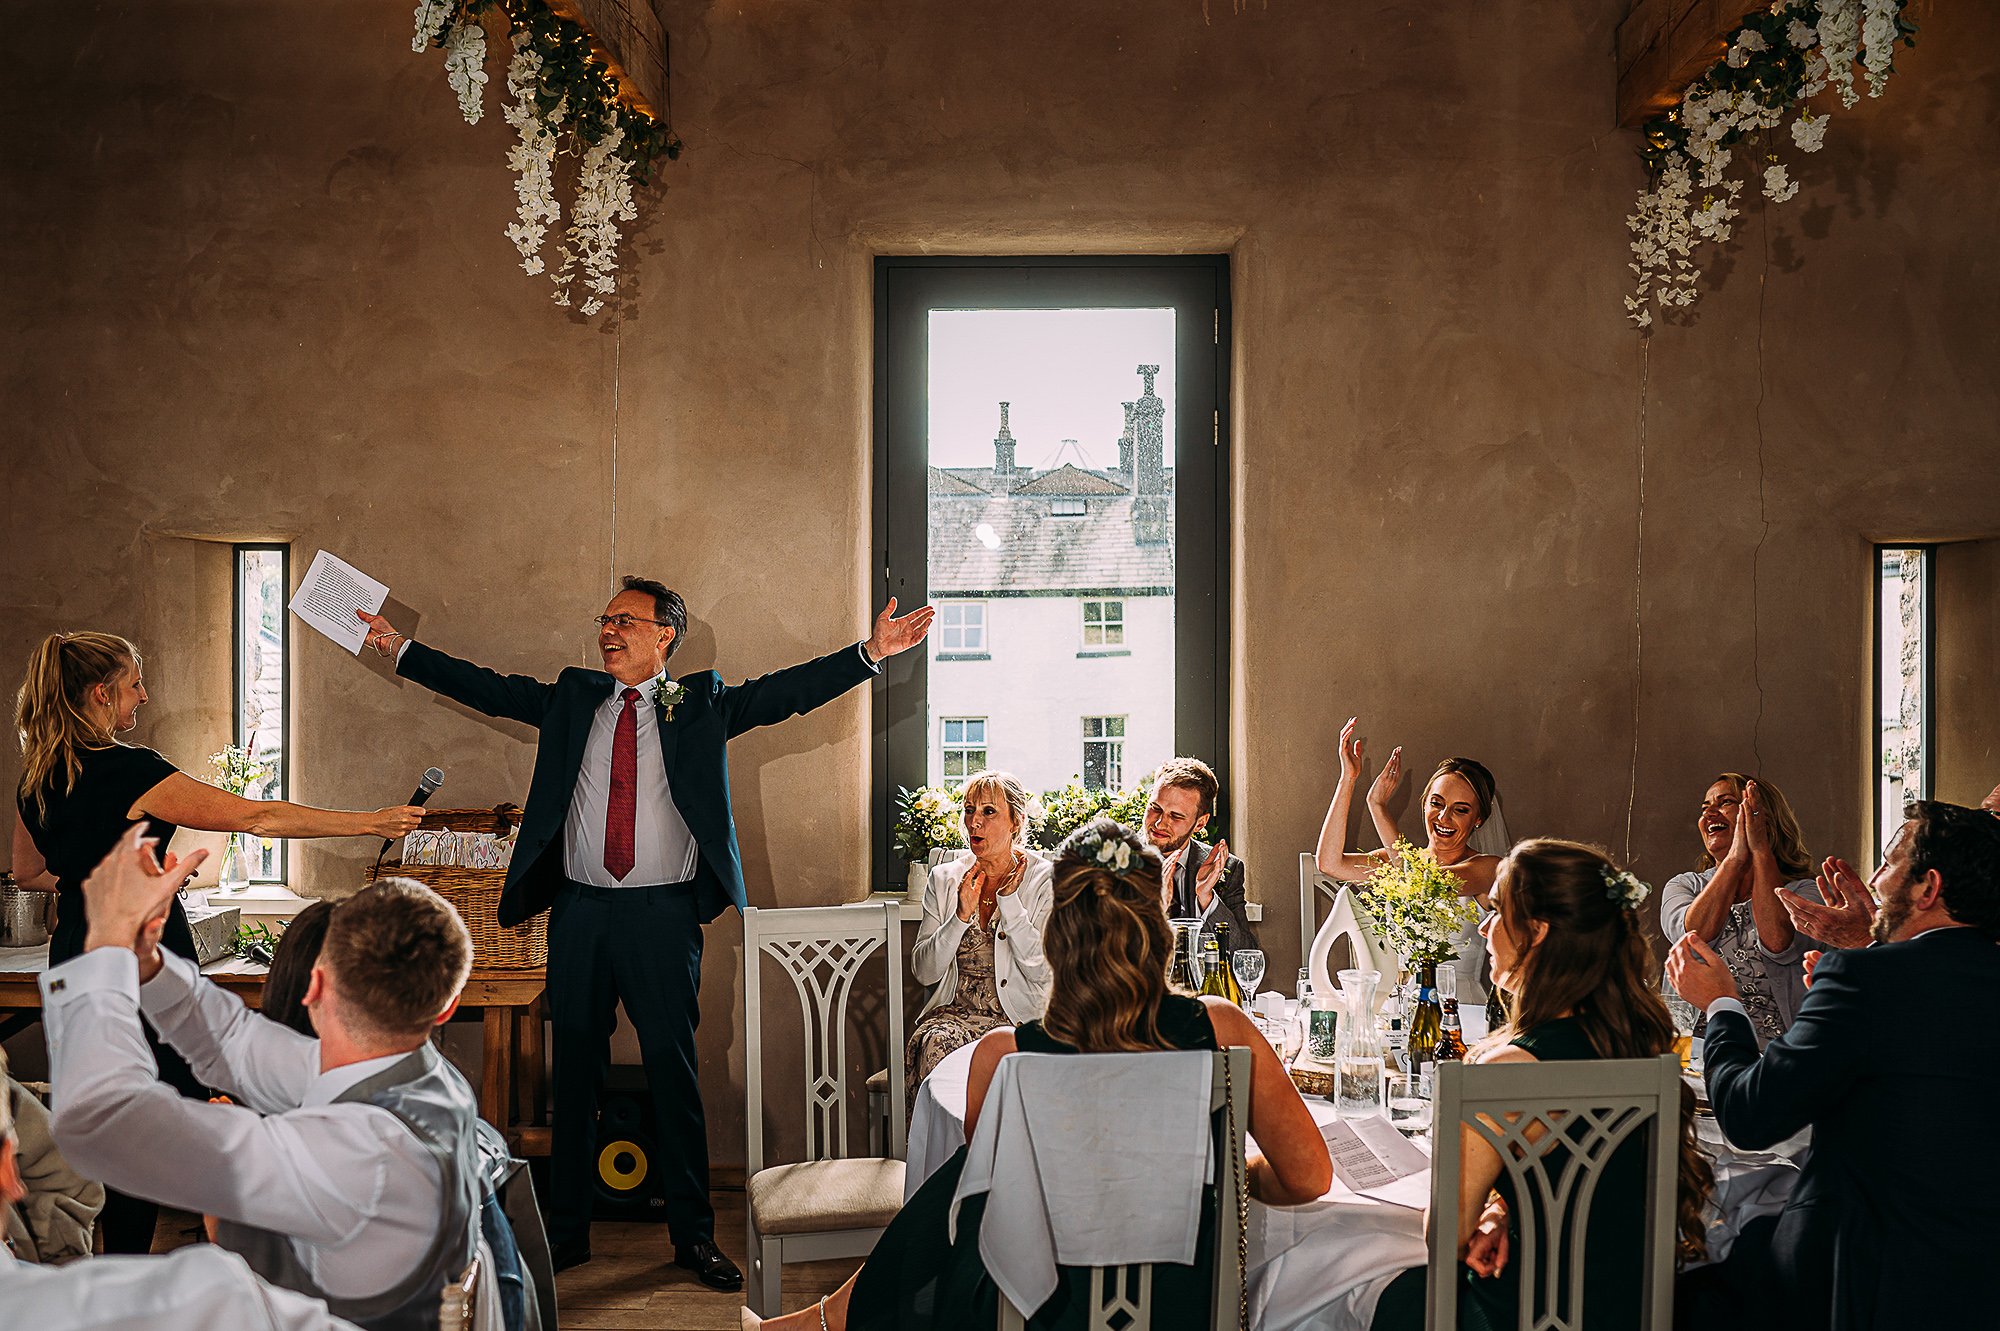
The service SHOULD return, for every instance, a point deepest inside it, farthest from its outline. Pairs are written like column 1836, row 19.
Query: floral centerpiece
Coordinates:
column 927, row 820
column 1415, row 907
column 236, row 771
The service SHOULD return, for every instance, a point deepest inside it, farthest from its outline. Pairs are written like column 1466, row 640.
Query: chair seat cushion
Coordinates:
column 878, row 1083
column 826, row 1195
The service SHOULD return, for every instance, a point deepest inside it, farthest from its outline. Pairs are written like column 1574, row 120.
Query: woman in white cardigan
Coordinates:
column 980, row 945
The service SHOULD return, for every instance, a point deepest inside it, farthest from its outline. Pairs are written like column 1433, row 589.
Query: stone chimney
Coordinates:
column 1152, row 516
column 1125, row 446
column 1003, row 456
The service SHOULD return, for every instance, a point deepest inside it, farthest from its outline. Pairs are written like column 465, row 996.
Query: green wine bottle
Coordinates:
column 1217, row 978
column 1426, row 1017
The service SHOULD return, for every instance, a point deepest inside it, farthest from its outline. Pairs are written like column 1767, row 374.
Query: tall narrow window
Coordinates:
column 1052, row 447
column 263, row 689
column 962, row 747
column 1904, row 635
column 1103, row 752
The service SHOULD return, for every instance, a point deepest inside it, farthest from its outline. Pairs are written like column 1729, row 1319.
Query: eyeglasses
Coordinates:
column 624, row 623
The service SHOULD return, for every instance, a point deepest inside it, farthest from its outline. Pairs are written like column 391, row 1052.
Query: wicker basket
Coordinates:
column 476, row 892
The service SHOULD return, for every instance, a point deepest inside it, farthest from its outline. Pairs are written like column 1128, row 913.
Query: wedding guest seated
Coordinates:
column 1108, row 947
column 980, row 944
column 1566, row 945
column 1751, row 850
column 348, row 1166
column 1896, row 1215
column 1199, row 881
column 200, row 1288
column 290, row 975
column 1459, row 798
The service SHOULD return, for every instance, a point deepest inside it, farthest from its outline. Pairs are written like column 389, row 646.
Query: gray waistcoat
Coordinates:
column 434, row 1103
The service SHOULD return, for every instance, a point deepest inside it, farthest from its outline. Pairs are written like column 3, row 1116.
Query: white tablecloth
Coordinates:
column 1320, row 1267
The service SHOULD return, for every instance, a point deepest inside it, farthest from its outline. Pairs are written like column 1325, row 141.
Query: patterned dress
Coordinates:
column 974, row 1010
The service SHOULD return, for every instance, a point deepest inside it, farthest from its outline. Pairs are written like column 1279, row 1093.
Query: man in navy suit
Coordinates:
column 628, row 842
column 1894, row 1065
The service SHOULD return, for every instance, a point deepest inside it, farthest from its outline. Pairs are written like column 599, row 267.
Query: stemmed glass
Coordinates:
column 1684, row 1016
column 1248, row 963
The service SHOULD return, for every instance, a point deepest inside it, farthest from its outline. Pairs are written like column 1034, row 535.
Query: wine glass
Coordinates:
column 1685, row 1016
column 1248, row 963
column 1292, row 1031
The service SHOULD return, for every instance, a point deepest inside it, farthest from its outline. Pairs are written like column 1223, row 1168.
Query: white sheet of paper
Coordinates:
column 1374, row 1159
column 332, row 591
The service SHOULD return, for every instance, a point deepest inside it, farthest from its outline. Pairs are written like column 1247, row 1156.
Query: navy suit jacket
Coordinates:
column 694, row 746
column 1895, row 1063
column 1228, row 891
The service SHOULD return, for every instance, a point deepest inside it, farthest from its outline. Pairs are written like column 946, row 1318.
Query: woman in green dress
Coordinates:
column 1108, row 947
column 1565, row 943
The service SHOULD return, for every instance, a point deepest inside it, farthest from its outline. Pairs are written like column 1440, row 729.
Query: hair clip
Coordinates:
column 1110, row 853
column 1624, row 887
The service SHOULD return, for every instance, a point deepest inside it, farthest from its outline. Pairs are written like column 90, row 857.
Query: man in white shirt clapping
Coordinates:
column 347, row 1168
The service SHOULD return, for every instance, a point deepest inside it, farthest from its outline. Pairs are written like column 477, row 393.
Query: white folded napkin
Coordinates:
column 1088, row 1160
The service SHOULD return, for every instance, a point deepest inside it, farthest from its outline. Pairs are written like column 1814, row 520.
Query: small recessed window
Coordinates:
column 1103, row 624
column 1068, row 508
column 964, row 746
column 961, row 627
column 1103, row 752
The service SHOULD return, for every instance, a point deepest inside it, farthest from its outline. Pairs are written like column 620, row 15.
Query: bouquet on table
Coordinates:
column 927, row 821
column 1414, row 905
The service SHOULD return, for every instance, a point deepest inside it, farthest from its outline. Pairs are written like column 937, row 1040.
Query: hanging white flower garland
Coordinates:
column 1779, row 59
column 573, row 101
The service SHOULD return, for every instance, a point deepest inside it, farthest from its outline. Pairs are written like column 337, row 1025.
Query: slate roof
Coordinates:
column 1070, row 479
column 1034, row 552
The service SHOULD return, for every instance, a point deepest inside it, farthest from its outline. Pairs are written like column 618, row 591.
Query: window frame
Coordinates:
column 946, row 748
column 964, row 653
column 1104, row 624
column 281, row 859
column 907, row 288
column 1886, row 819
column 1115, row 766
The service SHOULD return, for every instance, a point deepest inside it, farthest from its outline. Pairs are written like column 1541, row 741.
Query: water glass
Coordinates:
column 1409, row 1110
column 1292, row 1030
column 1248, row 963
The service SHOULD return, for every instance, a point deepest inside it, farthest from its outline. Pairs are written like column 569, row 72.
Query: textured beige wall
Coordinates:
column 258, row 288
column 1967, row 582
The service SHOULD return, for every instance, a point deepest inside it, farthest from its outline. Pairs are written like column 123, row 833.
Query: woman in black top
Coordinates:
column 1565, row 942
column 81, row 789
column 1108, row 946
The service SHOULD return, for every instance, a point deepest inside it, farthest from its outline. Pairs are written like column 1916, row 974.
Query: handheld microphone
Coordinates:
column 431, row 780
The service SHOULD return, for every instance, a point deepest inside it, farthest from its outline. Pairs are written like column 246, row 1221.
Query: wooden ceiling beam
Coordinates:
column 629, row 37
column 1664, row 45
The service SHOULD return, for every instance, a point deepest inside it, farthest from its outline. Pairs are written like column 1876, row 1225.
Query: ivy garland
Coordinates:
column 564, row 103
column 1780, row 58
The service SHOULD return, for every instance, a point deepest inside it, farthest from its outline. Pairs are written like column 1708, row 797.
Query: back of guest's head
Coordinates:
column 1963, row 846
column 1002, row 789
column 50, row 709
column 398, row 953
column 1107, row 941
column 1474, row 774
column 298, row 951
column 1788, row 843
column 1190, row 774
column 1594, row 963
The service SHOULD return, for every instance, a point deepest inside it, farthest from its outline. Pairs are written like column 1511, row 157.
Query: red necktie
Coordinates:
column 623, row 806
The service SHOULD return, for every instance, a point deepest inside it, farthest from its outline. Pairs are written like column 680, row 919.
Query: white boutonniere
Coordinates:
column 667, row 695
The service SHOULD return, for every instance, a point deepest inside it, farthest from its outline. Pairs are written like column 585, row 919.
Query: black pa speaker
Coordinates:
column 627, row 1184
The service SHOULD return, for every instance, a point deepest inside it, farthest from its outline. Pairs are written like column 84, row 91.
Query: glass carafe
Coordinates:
column 1358, row 1065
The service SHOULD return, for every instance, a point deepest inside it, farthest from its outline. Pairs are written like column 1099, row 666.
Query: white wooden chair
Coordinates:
column 1121, row 1297
column 828, row 1205
column 458, row 1308
column 1608, row 1100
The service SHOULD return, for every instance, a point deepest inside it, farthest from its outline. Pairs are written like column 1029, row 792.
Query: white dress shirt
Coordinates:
column 201, row 1288
column 351, row 1185
column 663, row 849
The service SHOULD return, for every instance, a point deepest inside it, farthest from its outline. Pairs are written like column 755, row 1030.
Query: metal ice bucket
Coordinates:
column 22, row 915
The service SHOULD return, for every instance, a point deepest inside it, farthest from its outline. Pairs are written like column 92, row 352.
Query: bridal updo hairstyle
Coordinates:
column 1474, row 774
column 1595, row 964
column 1107, row 943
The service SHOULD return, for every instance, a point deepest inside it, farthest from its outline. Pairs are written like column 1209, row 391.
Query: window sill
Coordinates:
column 1103, row 651
column 259, row 901
column 965, row 656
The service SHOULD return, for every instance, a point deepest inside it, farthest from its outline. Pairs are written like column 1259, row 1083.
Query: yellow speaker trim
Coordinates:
column 622, row 1179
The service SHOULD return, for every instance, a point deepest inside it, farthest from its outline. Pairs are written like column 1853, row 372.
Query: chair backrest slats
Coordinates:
column 1556, row 1127
column 821, row 949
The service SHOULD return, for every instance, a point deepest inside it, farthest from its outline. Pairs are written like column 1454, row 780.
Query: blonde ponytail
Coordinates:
column 49, row 709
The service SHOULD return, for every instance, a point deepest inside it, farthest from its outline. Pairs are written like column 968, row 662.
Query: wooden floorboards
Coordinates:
column 631, row 1282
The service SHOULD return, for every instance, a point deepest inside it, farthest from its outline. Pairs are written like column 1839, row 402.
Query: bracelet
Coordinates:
column 382, row 643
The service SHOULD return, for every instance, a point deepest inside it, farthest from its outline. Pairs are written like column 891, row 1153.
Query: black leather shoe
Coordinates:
column 709, row 1265
column 574, row 1252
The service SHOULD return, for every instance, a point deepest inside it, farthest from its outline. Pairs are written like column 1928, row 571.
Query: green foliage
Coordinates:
column 254, row 939
column 929, row 816
column 1415, row 905
column 927, row 819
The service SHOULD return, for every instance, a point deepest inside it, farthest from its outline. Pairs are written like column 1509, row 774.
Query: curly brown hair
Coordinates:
column 1107, row 942
column 1596, row 965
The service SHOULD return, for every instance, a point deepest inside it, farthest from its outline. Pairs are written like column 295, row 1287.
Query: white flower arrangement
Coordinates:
column 590, row 248
column 1625, row 887
column 1774, row 64
column 465, row 66
column 533, row 156
column 431, row 16
column 1113, row 853
column 667, row 695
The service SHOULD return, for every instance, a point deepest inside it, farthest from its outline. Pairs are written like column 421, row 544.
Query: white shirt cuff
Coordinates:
column 1728, row 1005
column 400, row 650
column 175, row 980
column 100, row 970
column 872, row 664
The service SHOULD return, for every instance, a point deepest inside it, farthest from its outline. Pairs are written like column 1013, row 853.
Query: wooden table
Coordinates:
column 509, row 1003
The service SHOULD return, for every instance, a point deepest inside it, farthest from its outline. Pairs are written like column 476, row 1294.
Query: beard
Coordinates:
column 1891, row 915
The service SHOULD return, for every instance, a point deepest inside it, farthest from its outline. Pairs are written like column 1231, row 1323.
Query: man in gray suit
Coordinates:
column 1199, row 881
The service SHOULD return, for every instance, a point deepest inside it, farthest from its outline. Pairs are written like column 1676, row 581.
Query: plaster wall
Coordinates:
column 1967, row 581
column 258, row 288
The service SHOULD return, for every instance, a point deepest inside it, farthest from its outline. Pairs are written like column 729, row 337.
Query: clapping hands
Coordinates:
column 1844, row 916
column 128, row 894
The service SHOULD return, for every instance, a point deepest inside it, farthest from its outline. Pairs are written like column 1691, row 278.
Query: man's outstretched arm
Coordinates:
column 798, row 689
column 514, row 697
